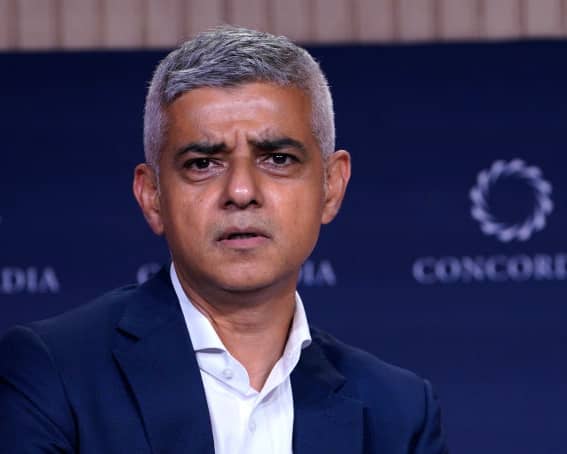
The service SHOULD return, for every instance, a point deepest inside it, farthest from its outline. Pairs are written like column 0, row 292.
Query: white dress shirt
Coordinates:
column 245, row 421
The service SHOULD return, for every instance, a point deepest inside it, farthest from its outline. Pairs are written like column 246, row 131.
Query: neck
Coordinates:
column 253, row 326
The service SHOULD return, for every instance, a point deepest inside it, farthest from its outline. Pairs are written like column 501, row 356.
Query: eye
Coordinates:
column 281, row 159
column 198, row 164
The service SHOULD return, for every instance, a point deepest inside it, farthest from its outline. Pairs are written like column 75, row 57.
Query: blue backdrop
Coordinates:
column 449, row 255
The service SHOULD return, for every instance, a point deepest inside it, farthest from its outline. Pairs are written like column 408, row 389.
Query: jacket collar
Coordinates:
column 160, row 366
column 157, row 358
column 325, row 420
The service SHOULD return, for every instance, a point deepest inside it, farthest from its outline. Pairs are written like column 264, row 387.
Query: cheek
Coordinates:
column 184, row 214
column 302, row 213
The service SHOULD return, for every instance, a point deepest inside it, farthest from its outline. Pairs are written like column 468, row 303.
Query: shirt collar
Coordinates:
column 204, row 337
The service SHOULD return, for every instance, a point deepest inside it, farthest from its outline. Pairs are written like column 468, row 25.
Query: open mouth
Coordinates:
column 242, row 238
column 241, row 235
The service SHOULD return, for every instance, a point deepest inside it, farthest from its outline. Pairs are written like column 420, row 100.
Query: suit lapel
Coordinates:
column 324, row 420
column 157, row 359
column 155, row 355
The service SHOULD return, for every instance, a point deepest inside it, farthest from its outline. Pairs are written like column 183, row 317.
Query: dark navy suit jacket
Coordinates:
column 119, row 375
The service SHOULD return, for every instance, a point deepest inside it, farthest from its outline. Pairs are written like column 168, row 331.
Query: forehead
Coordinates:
column 252, row 107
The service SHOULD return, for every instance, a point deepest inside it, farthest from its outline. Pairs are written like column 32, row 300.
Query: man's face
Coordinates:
column 242, row 190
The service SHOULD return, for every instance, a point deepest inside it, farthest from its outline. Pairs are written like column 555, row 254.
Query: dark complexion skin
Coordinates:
column 243, row 190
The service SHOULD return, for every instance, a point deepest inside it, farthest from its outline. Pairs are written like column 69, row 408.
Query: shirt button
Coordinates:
column 252, row 425
column 228, row 374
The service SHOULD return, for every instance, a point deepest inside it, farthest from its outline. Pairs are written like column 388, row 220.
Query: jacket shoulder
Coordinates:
column 360, row 366
column 86, row 331
column 401, row 408
column 376, row 383
column 46, row 365
column 93, row 318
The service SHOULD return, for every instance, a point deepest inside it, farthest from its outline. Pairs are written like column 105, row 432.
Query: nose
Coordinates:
column 242, row 186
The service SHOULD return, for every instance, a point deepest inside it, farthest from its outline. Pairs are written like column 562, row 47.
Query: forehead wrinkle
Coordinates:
column 232, row 137
column 267, row 133
column 212, row 138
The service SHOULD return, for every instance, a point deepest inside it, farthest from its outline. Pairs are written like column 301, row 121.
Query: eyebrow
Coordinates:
column 278, row 144
column 205, row 148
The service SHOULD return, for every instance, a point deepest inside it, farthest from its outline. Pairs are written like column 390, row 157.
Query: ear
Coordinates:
column 337, row 176
column 146, row 191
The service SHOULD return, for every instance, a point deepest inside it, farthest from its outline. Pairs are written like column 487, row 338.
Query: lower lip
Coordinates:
column 244, row 243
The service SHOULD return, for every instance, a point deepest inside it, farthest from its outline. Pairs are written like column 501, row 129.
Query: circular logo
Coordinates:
column 533, row 178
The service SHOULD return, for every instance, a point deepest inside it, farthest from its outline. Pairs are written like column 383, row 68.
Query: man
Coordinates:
column 214, row 354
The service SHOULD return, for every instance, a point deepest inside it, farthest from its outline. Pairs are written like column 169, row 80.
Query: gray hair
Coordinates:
column 229, row 56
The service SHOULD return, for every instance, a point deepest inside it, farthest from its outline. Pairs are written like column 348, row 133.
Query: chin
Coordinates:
column 244, row 285
column 251, row 282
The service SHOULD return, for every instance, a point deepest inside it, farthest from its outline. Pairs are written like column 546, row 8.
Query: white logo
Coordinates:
column 506, row 232
column 317, row 274
column 31, row 279
column 494, row 268
column 28, row 279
